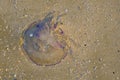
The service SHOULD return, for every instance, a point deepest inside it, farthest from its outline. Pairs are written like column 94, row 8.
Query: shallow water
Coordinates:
column 93, row 28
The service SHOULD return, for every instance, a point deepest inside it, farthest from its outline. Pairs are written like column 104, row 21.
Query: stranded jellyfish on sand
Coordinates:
column 44, row 41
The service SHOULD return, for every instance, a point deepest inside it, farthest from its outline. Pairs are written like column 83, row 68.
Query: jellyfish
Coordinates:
column 44, row 42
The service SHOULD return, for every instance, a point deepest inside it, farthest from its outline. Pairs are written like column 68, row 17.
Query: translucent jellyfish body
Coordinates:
column 44, row 42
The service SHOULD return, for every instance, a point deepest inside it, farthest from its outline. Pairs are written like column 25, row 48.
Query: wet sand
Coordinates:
column 92, row 26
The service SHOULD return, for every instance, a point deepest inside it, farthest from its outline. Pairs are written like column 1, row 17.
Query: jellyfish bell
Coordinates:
column 43, row 43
